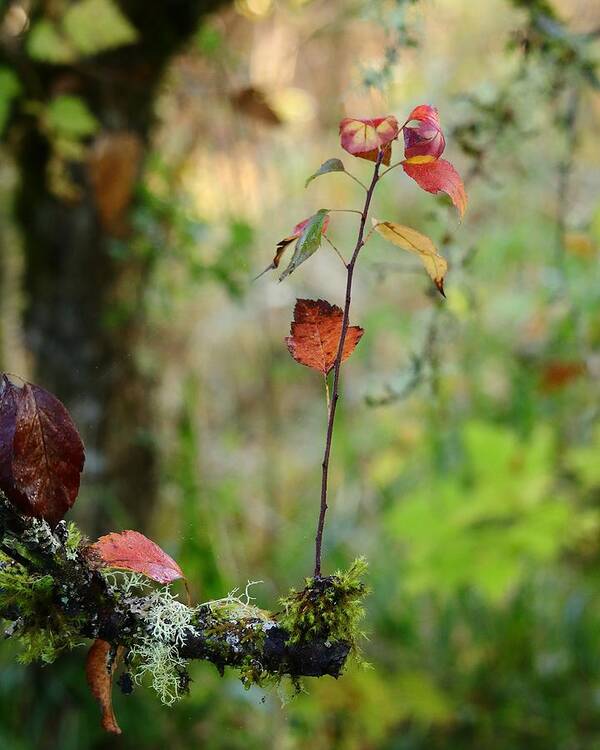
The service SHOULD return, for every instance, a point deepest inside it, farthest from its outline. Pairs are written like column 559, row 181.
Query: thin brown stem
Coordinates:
column 338, row 363
column 341, row 257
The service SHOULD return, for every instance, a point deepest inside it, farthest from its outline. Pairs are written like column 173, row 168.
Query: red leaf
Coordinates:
column 8, row 423
column 435, row 176
column 315, row 335
column 558, row 374
column 364, row 138
column 131, row 550
column 425, row 139
column 99, row 671
column 41, row 453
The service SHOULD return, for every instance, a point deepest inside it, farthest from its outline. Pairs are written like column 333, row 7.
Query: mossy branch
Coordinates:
column 55, row 596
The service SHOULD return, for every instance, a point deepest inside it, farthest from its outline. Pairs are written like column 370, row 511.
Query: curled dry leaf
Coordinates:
column 315, row 335
column 309, row 241
column 254, row 103
column 426, row 138
column 113, row 166
column 364, row 138
column 100, row 667
column 296, row 233
column 41, row 453
column 435, row 176
column 130, row 550
column 417, row 243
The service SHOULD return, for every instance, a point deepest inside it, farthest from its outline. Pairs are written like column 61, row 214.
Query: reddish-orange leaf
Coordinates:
column 426, row 138
column 41, row 453
column 435, row 176
column 315, row 335
column 558, row 374
column 131, row 550
column 364, row 138
column 99, row 670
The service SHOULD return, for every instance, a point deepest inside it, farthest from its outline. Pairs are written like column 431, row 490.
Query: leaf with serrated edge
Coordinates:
column 99, row 671
column 417, row 243
column 308, row 242
column 315, row 335
column 331, row 165
column 130, row 550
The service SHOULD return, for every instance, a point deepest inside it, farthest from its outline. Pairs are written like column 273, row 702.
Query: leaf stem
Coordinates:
column 345, row 211
column 360, row 182
column 338, row 363
column 393, row 166
column 336, row 250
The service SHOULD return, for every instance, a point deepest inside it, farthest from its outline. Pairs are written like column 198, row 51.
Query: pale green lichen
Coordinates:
column 40, row 534
column 168, row 670
column 166, row 618
column 238, row 607
column 166, row 622
column 124, row 583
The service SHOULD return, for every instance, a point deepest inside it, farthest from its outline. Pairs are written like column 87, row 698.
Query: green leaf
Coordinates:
column 97, row 25
column 10, row 88
column 209, row 40
column 45, row 43
column 69, row 116
column 331, row 165
column 308, row 242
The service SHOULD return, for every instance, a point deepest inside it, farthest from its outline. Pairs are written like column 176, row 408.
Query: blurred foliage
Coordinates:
column 465, row 463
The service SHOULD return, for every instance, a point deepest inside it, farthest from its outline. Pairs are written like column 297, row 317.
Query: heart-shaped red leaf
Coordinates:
column 364, row 138
column 130, row 550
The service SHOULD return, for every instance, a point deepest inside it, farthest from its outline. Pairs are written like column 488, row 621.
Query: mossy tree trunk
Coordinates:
column 81, row 350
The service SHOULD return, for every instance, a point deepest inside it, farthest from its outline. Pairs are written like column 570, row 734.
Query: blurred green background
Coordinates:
column 152, row 156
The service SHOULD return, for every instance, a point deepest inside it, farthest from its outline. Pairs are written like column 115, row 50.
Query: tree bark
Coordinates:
column 84, row 348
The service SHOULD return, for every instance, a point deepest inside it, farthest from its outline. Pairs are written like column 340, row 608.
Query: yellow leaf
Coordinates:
column 579, row 244
column 417, row 243
column 424, row 159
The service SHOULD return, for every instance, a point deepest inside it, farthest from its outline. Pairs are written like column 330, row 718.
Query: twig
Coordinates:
column 336, row 250
column 345, row 211
column 97, row 607
column 338, row 363
column 389, row 169
column 360, row 182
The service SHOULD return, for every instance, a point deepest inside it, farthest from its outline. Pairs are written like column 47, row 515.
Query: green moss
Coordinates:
column 45, row 644
column 74, row 539
column 328, row 608
column 41, row 629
